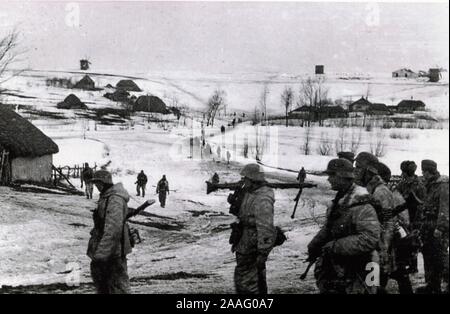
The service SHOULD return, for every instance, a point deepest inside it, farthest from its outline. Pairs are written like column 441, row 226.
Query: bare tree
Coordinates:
column 306, row 148
column 356, row 140
column 263, row 101
column 287, row 98
column 378, row 144
column 8, row 54
column 325, row 147
column 340, row 142
column 313, row 94
column 215, row 103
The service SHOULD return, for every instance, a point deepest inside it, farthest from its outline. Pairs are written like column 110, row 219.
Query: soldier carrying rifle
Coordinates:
column 348, row 240
column 257, row 232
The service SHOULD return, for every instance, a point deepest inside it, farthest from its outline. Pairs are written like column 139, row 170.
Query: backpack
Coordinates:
column 88, row 174
column 281, row 236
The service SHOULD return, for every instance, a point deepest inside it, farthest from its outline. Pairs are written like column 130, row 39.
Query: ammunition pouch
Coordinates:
column 134, row 236
column 235, row 200
column 236, row 233
column 280, row 237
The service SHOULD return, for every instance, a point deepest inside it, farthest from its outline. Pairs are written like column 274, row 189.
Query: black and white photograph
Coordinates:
column 246, row 149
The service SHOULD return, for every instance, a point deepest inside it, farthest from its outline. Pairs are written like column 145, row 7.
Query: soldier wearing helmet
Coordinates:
column 412, row 189
column 348, row 240
column 109, row 243
column 85, row 178
column 258, row 235
column 350, row 156
column 435, row 229
column 367, row 174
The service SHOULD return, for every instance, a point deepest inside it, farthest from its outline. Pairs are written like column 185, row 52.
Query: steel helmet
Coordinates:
column 341, row 167
column 102, row 176
column 254, row 172
column 367, row 161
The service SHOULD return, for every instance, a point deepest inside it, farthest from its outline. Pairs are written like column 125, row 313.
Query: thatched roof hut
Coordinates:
column 21, row 138
column 118, row 95
column 85, row 83
column 71, row 102
column 25, row 150
column 150, row 104
column 128, row 85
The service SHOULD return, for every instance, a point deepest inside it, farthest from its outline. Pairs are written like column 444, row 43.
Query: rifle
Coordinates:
column 305, row 273
column 136, row 211
column 211, row 187
column 235, row 199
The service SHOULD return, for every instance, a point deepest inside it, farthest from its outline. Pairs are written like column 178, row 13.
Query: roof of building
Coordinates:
column 21, row 137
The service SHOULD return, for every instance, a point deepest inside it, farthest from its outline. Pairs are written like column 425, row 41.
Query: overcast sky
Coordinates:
column 230, row 37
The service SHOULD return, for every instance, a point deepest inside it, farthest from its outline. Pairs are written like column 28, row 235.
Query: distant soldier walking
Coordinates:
column 435, row 229
column 85, row 178
column 301, row 177
column 162, row 189
column 141, row 183
column 257, row 232
column 109, row 243
column 348, row 240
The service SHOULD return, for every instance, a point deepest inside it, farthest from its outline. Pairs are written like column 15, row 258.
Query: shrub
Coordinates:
column 400, row 135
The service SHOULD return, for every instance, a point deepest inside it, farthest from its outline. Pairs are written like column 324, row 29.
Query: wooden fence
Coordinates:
column 67, row 172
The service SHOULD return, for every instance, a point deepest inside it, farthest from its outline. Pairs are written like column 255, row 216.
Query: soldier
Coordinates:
column 348, row 240
column 215, row 178
column 435, row 228
column 384, row 172
column 162, row 189
column 85, row 177
column 141, row 183
column 347, row 155
column 109, row 243
column 413, row 191
column 366, row 175
column 258, row 232
column 301, row 177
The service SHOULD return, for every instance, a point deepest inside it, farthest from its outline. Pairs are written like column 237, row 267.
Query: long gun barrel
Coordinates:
column 133, row 212
column 305, row 273
column 211, row 187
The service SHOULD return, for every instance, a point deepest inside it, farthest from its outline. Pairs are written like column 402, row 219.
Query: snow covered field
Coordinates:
column 43, row 237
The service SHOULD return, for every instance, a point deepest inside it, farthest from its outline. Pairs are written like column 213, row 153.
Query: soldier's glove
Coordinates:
column 261, row 261
column 328, row 249
column 313, row 253
column 437, row 233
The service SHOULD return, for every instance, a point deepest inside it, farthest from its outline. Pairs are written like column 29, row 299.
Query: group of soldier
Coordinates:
column 372, row 233
column 162, row 187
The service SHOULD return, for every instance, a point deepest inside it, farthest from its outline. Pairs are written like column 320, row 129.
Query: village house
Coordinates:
column 150, row 103
column 128, row 85
column 71, row 102
column 26, row 154
column 378, row 109
column 318, row 113
column 86, row 83
column 405, row 73
column 361, row 105
column 410, row 106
